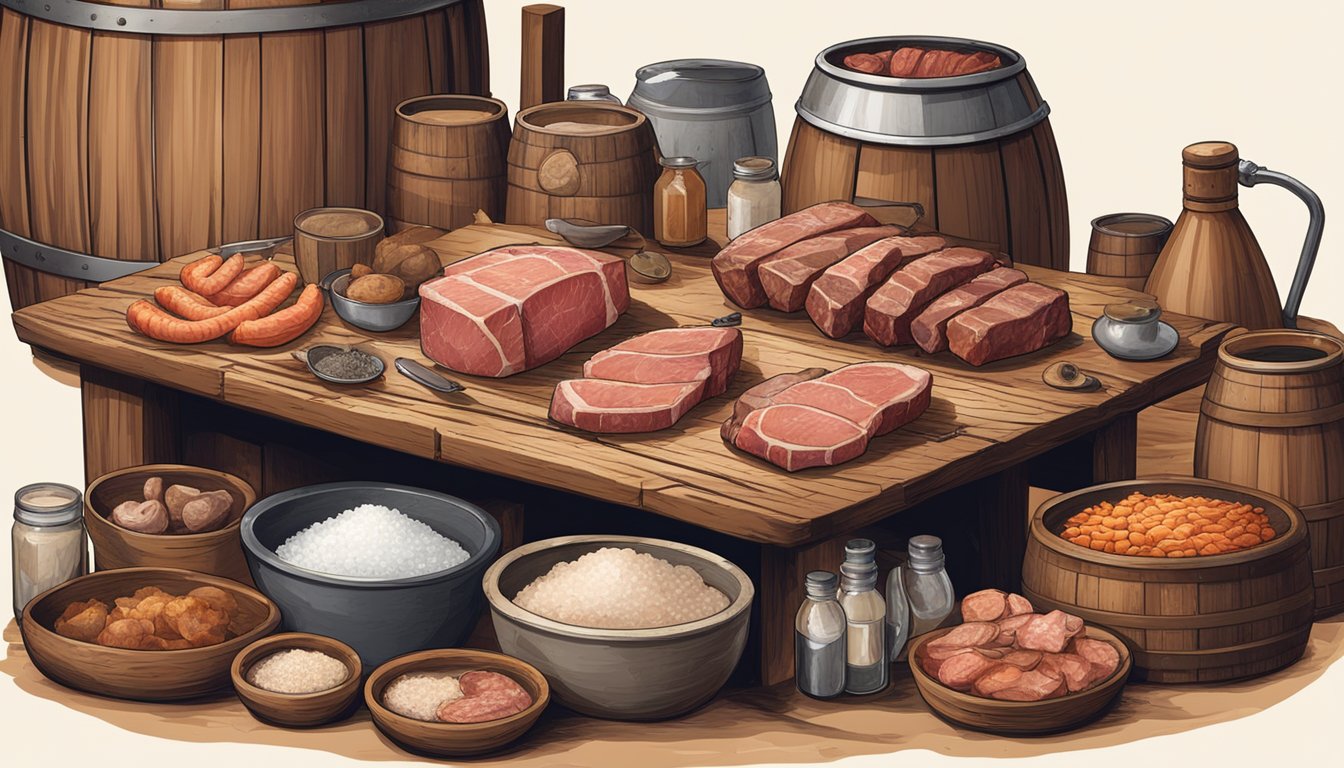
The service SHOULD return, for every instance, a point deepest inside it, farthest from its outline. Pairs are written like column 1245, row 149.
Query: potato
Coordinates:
column 376, row 289
column 413, row 263
column 207, row 511
column 141, row 516
column 360, row 270
column 408, row 236
column 177, row 497
column 154, row 489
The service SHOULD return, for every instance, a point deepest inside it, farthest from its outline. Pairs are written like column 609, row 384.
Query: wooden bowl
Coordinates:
column 455, row 739
column 1020, row 718
column 141, row 675
column 297, row 710
column 217, row 552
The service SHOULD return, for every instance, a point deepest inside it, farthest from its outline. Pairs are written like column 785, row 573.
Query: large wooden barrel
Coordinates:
column 1192, row 619
column 1273, row 419
column 975, row 150
column 584, row 160
column 138, row 133
column 448, row 161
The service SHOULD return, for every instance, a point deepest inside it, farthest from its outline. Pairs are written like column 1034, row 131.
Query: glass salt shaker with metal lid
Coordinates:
column 927, row 587
column 819, row 639
column 50, row 546
column 754, row 196
column 680, row 213
column 591, row 92
column 866, row 667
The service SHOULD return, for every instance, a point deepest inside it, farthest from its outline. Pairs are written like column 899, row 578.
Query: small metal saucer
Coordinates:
column 314, row 354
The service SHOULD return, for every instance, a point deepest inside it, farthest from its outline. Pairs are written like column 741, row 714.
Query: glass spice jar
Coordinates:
column 50, row 546
column 754, row 197
column 680, row 213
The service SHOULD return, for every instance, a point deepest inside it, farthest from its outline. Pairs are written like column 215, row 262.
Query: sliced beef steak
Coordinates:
column 736, row 266
column 835, row 301
column 649, row 382
column 515, row 308
column 787, row 275
column 830, row 419
column 760, row 396
column 1019, row 320
column 929, row 329
column 892, row 308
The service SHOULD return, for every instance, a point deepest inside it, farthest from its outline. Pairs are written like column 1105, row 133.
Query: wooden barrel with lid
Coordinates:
column 1187, row 620
column 582, row 160
column 1273, row 418
column 447, row 161
column 136, row 131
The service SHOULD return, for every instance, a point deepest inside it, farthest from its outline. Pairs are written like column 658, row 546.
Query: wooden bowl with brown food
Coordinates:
column 302, row 708
column 457, row 739
column 1019, row 718
column 218, row 551
column 168, row 671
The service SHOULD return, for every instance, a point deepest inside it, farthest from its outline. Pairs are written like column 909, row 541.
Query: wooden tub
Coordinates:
column 1198, row 619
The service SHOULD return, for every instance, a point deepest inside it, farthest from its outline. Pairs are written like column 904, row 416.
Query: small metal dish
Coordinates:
column 586, row 234
column 313, row 355
column 378, row 318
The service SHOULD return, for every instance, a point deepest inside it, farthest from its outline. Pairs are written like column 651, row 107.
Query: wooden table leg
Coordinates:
column 127, row 422
column 1115, row 450
column 780, row 591
column 1001, row 501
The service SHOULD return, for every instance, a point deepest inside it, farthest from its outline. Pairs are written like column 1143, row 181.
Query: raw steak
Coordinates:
column 830, row 419
column 929, row 330
column 891, row 309
column 1022, row 319
column 760, row 396
column 735, row 267
column 649, row 382
column 835, row 301
column 787, row 276
column 516, row 308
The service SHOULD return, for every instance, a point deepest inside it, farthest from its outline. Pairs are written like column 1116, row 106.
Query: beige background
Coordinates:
column 1129, row 83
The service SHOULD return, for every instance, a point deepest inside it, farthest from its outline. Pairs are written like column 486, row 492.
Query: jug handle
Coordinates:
column 1250, row 174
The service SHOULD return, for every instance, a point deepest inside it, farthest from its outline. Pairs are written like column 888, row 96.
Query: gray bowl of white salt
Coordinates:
column 623, row 627
column 386, row 569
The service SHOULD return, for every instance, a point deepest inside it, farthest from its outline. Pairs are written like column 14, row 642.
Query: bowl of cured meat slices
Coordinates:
column 1010, row 670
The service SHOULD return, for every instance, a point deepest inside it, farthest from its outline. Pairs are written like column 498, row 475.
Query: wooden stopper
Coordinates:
column 543, row 68
column 1210, row 176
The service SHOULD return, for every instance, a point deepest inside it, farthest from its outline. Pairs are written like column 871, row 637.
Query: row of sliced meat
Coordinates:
column 847, row 271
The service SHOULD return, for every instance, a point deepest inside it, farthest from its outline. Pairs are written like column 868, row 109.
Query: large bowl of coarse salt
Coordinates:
column 386, row 569
column 623, row 627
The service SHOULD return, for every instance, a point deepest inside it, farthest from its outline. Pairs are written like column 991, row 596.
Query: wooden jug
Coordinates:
column 1212, row 266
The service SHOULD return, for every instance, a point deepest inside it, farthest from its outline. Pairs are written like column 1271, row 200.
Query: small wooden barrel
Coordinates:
column 447, row 161
column 582, row 160
column 328, row 239
column 1196, row 619
column 1273, row 418
column 1125, row 246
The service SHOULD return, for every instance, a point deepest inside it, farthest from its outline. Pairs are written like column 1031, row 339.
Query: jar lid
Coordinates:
column 755, row 168
column 926, row 552
column 587, row 92
column 47, row 504
column 681, row 161
column 821, row 584
column 860, row 564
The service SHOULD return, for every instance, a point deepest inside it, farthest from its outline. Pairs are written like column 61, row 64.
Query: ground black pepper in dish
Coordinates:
column 349, row 364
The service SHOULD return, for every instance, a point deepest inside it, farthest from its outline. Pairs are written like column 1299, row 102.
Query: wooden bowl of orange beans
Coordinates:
column 1169, row 525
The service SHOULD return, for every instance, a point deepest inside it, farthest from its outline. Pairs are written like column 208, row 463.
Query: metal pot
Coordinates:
column 713, row 110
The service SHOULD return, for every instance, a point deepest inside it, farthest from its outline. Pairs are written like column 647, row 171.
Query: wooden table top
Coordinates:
column 981, row 421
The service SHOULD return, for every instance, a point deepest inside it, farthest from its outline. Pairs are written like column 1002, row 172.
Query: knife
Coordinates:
column 426, row 377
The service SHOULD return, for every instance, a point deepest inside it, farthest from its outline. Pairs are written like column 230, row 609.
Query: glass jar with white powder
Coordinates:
column 754, row 195
column 50, row 546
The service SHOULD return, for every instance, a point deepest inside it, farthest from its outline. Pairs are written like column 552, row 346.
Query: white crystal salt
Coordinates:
column 372, row 541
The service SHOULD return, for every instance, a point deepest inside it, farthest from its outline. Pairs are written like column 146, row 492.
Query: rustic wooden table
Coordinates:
column 988, row 431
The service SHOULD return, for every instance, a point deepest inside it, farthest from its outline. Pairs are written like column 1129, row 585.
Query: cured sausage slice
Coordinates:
column 1076, row 670
column 1034, row 685
column 1008, row 628
column 1044, row 633
column 1103, row 656
column 969, row 634
column 961, row 671
column 479, row 682
column 985, row 605
column 1023, row 659
column 490, row 705
column 997, row 678
column 1019, row 605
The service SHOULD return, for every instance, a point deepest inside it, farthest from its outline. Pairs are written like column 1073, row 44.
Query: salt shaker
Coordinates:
column 754, row 195
column 50, row 545
column 819, row 639
column 866, row 667
column 927, row 586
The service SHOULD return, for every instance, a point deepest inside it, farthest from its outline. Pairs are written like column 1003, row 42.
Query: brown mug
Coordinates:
column 328, row 239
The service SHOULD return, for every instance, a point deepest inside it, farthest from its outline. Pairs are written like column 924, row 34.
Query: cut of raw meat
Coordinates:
column 835, row 301
column 760, row 396
column 929, row 329
column 516, row 308
column 736, row 266
column 830, row 419
column 649, row 382
column 787, row 275
column 891, row 308
column 1019, row 320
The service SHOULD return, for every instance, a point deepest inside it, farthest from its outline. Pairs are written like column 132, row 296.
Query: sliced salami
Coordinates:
column 1008, row 628
column 961, row 671
column 1046, row 633
column 990, row 653
column 1103, row 656
column 985, row 605
column 1019, row 605
column 481, row 681
column 997, row 678
column 482, row 707
column 969, row 634
column 1023, row 659
column 1076, row 670
column 940, row 652
column 1034, row 685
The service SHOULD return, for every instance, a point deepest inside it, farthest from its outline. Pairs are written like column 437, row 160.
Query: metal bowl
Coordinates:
column 379, row 618
column 371, row 317
column 918, row 111
column 623, row 674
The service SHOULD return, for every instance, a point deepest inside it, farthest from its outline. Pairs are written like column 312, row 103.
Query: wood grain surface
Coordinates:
column 981, row 422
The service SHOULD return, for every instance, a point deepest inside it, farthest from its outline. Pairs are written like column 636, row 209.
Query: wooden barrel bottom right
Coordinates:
column 1203, row 624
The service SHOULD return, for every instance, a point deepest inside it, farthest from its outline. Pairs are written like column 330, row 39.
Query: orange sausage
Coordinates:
column 246, row 285
column 149, row 319
column 210, row 282
column 284, row 326
column 180, row 301
column 198, row 269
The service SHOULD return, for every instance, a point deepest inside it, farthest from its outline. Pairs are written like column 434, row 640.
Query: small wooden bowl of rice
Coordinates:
column 297, row 679
column 623, row 627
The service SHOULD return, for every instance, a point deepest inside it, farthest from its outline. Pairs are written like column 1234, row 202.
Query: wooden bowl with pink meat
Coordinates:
column 1020, row 718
